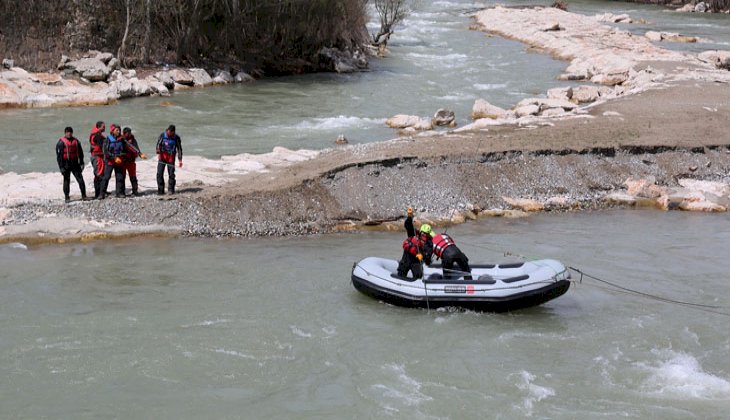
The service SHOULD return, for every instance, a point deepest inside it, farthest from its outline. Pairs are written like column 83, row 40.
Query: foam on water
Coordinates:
column 680, row 375
column 342, row 121
column 534, row 393
column 296, row 331
column 403, row 389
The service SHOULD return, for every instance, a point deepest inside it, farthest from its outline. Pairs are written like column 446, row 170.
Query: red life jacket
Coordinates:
column 97, row 148
column 440, row 243
column 70, row 149
column 412, row 245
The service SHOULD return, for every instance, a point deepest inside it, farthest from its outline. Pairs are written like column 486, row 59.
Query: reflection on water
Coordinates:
column 201, row 328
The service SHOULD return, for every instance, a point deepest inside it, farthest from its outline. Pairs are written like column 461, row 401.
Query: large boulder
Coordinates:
column 165, row 78
column 91, row 69
column 526, row 110
column 223, row 77
column 342, row 61
column 483, row 109
column 200, row 77
column 157, row 86
column 181, row 77
column 242, row 77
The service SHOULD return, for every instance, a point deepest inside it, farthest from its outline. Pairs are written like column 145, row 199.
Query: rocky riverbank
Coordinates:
column 659, row 142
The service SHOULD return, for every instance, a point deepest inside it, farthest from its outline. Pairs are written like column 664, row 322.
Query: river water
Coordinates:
column 435, row 62
column 273, row 328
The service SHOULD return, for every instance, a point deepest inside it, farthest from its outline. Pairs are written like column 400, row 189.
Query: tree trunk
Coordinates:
column 122, row 48
column 147, row 30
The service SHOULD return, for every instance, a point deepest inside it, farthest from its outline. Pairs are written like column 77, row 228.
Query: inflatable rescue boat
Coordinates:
column 493, row 288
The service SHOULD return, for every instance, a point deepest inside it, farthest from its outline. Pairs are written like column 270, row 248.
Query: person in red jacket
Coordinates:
column 96, row 140
column 130, row 157
column 70, row 157
column 417, row 249
column 445, row 248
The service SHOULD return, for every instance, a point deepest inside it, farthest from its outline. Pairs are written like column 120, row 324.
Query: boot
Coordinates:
column 160, row 191
column 135, row 191
column 171, row 188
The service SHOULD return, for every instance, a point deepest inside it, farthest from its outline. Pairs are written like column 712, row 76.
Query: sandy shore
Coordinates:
column 667, row 138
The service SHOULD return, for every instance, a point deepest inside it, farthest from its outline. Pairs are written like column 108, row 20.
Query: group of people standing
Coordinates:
column 115, row 152
column 420, row 248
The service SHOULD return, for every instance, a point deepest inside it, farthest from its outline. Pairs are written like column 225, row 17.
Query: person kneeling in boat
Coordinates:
column 445, row 248
column 417, row 249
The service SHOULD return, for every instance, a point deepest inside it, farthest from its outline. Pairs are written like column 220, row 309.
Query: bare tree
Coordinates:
column 122, row 51
column 391, row 13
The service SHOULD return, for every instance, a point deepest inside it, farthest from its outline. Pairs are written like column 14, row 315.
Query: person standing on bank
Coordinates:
column 168, row 146
column 70, row 157
column 114, row 151
column 130, row 157
column 96, row 140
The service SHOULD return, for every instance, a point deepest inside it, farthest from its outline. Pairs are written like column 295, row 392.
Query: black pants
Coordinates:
column 161, row 176
column 76, row 170
column 410, row 263
column 97, row 165
column 453, row 255
column 118, row 174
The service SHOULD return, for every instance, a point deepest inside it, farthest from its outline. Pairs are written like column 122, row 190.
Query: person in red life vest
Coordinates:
column 417, row 249
column 445, row 248
column 70, row 157
column 96, row 139
column 130, row 157
column 169, row 145
column 114, row 151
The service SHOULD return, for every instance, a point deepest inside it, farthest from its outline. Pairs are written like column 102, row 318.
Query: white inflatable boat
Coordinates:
column 494, row 288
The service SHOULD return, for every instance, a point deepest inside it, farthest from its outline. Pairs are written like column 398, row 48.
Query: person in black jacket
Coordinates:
column 70, row 158
column 169, row 145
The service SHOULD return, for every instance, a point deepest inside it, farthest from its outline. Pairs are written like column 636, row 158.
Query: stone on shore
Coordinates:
column 181, row 77
column 444, row 117
column 670, row 36
column 524, row 204
column 8, row 63
column 611, row 18
column 223, row 77
column 402, row 121
column 585, row 94
column 242, row 77
column 483, row 109
column 201, row 78
column 718, row 58
column 94, row 67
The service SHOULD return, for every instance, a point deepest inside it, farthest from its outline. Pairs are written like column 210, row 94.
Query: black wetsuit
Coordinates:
column 74, row 166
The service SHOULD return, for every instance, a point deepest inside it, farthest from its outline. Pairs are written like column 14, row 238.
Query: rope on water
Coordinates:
column 715, row 309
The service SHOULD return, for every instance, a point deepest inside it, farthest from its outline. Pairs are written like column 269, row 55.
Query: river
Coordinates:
column 273, row 328
column 435, row 62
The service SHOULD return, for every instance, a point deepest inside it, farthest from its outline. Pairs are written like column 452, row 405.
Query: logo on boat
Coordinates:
column 470, row 289
column 456, row 289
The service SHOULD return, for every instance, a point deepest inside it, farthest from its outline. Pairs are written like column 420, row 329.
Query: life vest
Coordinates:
column 440, row 243
column 168, row 145
column 97, row 147
column 412, row 245
column 70, row 149
column 115, row 147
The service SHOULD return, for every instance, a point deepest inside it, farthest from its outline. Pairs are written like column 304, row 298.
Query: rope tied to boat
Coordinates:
column 715, row 309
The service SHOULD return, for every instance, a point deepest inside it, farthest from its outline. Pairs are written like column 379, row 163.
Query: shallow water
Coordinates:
column 274, row 329
column 435, row 62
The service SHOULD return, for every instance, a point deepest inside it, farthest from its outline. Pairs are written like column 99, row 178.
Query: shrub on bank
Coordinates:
column 277, row 37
